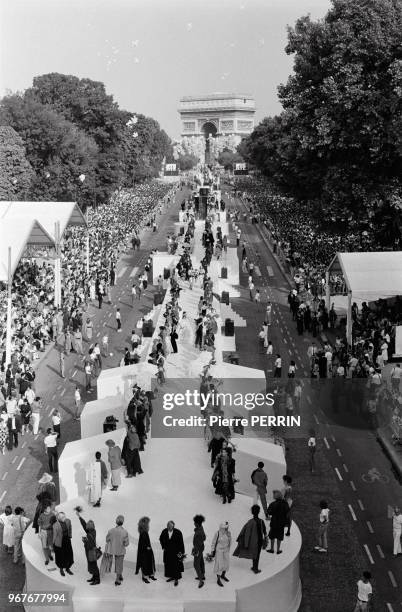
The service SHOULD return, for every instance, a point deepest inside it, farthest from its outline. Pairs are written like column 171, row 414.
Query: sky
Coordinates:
column 150, row 53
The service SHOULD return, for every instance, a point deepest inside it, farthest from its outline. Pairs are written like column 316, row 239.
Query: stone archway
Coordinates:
column 209, row 131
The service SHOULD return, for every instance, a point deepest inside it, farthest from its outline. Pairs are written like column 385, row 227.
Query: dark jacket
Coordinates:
column 145, row 555
column 198, row 540
column 172, row 548
column 251, row 539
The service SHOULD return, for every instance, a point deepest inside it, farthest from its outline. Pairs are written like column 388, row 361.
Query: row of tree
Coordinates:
column 338, row 141
column 65, row 138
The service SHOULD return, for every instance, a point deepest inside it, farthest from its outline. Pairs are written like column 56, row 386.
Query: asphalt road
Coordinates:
column 366, row 482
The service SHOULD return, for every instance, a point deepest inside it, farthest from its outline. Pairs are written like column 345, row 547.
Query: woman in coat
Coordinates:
column 145, row 555
column 223, row 476
column 252, row 538
column 220, row 549
column 46, row 495
column 90, row 549
column 130, row 452
column 62, row 544
column 171, row 540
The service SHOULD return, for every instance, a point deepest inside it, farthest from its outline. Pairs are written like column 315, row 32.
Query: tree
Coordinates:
column 338, row 140
column 16, row 172
column 228, row 158
column 186, row 161
column 56, row 149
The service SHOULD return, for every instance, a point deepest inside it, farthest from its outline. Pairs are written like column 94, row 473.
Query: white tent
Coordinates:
column 368, row 276
column 17, row 234
column 47, row 213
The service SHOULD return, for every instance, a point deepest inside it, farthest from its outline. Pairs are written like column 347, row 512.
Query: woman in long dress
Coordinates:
column 62, row 543
column 220, row 547
column 145, row 555
column 6, row 519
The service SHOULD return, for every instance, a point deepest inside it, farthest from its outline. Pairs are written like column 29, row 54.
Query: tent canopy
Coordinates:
column 47, row 213
column 370, row 276
column 18, row 234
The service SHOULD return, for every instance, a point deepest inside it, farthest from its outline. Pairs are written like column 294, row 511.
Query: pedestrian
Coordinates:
column 224, row 475
column 171, row 540
column 62, row 544
column 297, row 396
column 396, row 374
column 268, row 313
column 56, row 420
column 287, row 496
column 61, row 364
column 220, row 549
column 259, row 478
column 145, row 555
column 114, row 458
column 133, row 294
column 19, row 523
column 278, row 366
column 292, row 369
column 270, row 348
column 364, row 593
column 105, row 345
column 91, row 549
column 100, row 299
column 312, row 446
column 50, row 442
column 322, row 546
column 278, row 510
column 97, row 476
column 130, row 452
column 6, row 519
column 257, row 297
column 397, row 530
column 77, row 400
column 118, row 319
column 199, row 538
column 173, row 339
column 88, row 375
column 3, row 436
column 116, row 544
column 45, row 525
column 46, row 495
column 251, row 539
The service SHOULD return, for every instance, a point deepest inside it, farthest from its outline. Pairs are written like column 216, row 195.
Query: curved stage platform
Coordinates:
column 176, row 484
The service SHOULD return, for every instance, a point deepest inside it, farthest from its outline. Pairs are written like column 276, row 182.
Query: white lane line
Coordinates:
column 2, row 496
column 326, row 443
column 352, row 512
column 316, row 420
column 15, row 459
column 285, row 341
column 109, row 315
column 359, row 501
column 390, row 608
column 345, row 468
column 352, row 484
column 20, row 463
column 339, row 452
column 122, row 272
column 370, row 527
column 74, row 373
column 338, row 474
column 380, row 551
column 308, row 399
column 22, row 445
column 368, row 553
column 333, row 438
column 392, row 579
column 62, row 393
column 53, row 396
column 290, row 352
column 36, row 437
column 133, row 272
column 5, row 475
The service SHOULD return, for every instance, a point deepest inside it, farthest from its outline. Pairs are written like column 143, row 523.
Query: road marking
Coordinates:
column 392, row 579
column 359, row 501
column 326, row 443
column 270, row 271
column 3, row 496
column 122, row 272
column 74, row 373
column 36, row 437
column 5, row 475
column 15, row 459
column 316, row 420
column 368, row 553
column 352, row 512
column 20, row 463
column 54, row 395
column 24, row 444
column 338, row 474
column 370, row 527
column 390, row 608
column 339, row 452
column 345, row 468
column 62, row 393
column 380, row 551
column 109, row 315
column 133, row 272
column 285, row 341
column 308, row 399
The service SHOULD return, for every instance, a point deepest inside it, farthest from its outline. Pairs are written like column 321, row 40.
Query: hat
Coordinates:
column 224, row 525
column 45, row 478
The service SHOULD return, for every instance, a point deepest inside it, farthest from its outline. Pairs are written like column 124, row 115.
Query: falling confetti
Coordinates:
column 134, row 43
column 136, row 60
column 232, row 45
column 189, row 27
column 261, row 42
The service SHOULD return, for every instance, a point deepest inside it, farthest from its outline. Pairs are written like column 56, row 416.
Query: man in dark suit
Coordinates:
column 171, row 540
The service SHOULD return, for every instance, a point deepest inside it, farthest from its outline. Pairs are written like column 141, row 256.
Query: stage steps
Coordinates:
column 227, row 312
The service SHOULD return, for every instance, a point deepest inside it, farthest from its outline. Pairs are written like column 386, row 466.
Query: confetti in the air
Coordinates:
column 261, row 42
column 134, row 43
column 189, row 27
column 136, row 60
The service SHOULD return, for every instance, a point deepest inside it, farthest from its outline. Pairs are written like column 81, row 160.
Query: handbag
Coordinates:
column 94, row 554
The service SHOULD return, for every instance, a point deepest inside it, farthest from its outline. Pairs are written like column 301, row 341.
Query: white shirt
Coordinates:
column 364, row 590
column 324, row 515
column 56, row 420
column 397, row 522
column 278, row 362
column 311, row 442
column 50, row 440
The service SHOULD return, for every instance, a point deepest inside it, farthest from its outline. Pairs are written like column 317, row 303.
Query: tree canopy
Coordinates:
column 337, row 141
column 16, row 173
column 72, row 127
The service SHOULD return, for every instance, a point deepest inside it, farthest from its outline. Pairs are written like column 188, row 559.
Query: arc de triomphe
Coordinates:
column 215, row 121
